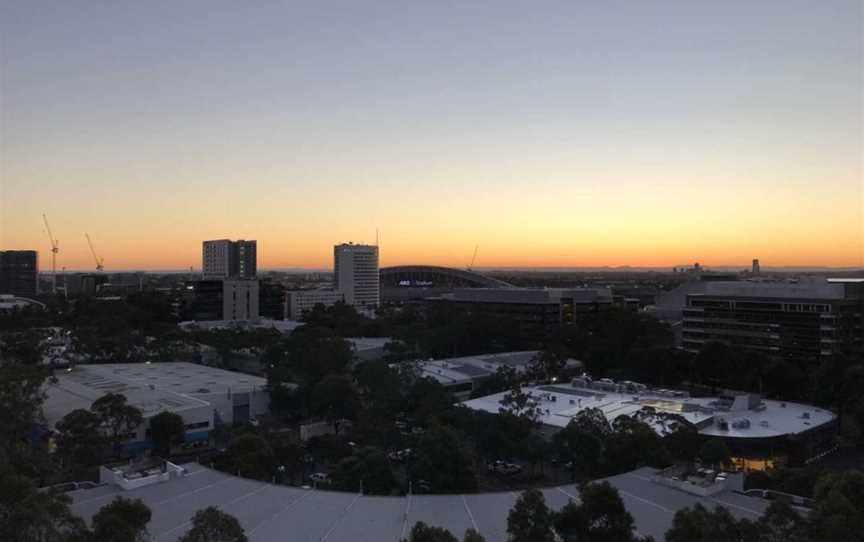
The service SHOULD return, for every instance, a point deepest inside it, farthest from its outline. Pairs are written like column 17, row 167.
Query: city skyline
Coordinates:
column 564, row 135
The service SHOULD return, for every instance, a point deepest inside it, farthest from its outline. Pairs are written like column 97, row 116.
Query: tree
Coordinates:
column 166, row 430
column 714, row 452
column 367, row 468
column 80, row 441
column 839, row 511
column 30, row 515
column 781, row 523
column 549, row 363
column 213, row 525
column 582, row 445
column 530, row 520
column 424, row 533
column 698, row 524
column 117, row 416
column 600, row 516
column 123, row 520
column 21, row 398
column 520, row 404
column 335, row 399
column 633, row 443
column 473, row 536
column 444, row 462
column 252, row 457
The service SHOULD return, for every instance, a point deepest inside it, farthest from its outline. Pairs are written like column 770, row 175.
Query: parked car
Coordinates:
column 504, row 467
column 320, row 478
column 399, row 456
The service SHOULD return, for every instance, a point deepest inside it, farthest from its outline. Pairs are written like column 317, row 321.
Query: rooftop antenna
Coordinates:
column 55, row 248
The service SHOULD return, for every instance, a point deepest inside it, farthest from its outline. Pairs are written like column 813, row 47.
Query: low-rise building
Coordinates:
column 760, row 433
column 536, row 310
column 462, row 375
column 204, row 397
column 299, row 301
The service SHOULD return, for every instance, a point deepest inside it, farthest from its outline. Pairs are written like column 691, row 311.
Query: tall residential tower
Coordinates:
column 355, row 271
column 226, row 259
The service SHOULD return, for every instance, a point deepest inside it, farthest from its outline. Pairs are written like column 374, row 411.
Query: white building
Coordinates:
column 203, row 396
column 299, row 301
column 760, row 433
column 240, row 300
column 216, row 258
column 355, row 271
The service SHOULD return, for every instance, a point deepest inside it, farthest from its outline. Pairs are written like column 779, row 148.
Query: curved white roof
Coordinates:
column 273, row 513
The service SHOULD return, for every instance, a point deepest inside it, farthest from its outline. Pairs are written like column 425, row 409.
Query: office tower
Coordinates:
column 225, row 259
column 355, row 271
column 755, row 269
column 801, row 322
column 19, row 272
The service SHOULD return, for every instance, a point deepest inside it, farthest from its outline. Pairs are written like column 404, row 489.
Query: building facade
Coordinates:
column 299, row 301
column 800, row 322
column 231, row 300
column 19, row 272
column 536, row 310
column 355, row 272
column 224, row 259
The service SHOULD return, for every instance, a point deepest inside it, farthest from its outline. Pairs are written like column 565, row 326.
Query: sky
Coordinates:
column 548, row 133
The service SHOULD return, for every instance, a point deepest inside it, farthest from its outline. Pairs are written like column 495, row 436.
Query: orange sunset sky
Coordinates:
column 565, row 135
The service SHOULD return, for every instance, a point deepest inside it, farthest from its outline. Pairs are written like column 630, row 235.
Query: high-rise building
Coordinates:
column 224, row 259
column 19, row 272
column 355, row 271
column 755, row 269
column 799, row 322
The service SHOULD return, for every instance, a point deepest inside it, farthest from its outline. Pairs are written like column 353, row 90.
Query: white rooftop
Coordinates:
column 463, row 369
column 150, row 387
column 560, row 403
column 274, row 513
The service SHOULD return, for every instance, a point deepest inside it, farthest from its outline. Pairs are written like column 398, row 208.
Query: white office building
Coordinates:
column 355, row 271
column 240, row 300
column 299, row 301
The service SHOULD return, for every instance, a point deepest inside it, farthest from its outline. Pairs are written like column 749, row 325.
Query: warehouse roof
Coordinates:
column 271, row 512
column 152, row 387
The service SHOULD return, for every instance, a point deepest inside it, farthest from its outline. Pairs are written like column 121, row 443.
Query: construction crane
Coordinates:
column 97, row 259
column 473, row 258
column 55, row 248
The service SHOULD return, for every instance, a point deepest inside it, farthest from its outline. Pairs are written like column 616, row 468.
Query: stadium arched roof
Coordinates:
column 435, row 276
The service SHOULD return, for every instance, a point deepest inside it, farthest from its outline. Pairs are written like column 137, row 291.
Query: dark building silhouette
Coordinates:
column 271, row 300
column 19, row 272
column 805, row 322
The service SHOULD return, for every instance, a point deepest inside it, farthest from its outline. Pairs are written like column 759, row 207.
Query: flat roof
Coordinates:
column 463, row 369
column 560, row 403
column 267, row 512
column 776, row 290
column 368, row 343
column 152, row 387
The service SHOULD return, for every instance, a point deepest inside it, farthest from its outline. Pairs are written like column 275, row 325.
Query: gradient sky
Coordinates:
column 572, row 133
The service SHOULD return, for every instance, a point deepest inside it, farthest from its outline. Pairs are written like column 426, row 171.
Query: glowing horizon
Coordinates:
column 561, row 135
